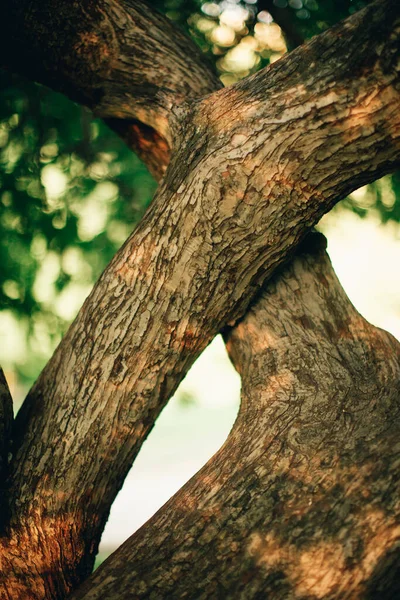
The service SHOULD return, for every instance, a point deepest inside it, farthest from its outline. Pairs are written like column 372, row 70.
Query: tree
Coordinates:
column 303, row 499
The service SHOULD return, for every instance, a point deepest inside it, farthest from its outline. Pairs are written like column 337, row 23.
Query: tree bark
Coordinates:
column 125, row 61
column 251, row 188
column 6, row 420
column 303, row 499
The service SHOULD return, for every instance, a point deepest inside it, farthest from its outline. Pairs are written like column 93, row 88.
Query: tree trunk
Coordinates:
column 303, row 499
column 263, row 160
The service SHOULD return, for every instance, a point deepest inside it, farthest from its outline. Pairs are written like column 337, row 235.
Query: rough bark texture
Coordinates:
column 125, row 61
column 254, row 167
column 303, row 499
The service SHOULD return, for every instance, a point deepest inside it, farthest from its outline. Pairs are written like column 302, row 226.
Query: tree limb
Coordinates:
column 303, row 499
column 125, row 61
column 242, row 189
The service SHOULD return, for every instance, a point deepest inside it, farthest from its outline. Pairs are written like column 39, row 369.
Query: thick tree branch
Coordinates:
column 303, row 499
column 335, row 95
column 124, row 60
column 242, row 190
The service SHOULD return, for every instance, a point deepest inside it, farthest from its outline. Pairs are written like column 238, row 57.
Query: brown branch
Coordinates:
column 309, row 111
column 303, row 499
column 257, row 165
column 124, row 60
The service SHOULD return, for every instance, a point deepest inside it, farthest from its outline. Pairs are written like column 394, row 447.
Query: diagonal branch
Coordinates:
column 243, row 188
column 302, row 501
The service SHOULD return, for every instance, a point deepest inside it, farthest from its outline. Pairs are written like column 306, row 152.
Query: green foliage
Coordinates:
column 311, row 17
column 70, row 194
column 70, row 191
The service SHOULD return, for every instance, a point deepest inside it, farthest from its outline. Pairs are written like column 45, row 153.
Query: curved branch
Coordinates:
column 241, row 191
column 124, row 60
column 303, row 499
column 312, row 113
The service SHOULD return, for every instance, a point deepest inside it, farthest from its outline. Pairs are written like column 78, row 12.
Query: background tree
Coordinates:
column 131, row 374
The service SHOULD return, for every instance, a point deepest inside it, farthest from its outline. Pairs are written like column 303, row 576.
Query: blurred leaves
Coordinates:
column 381, row 197
column 71, row 192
